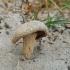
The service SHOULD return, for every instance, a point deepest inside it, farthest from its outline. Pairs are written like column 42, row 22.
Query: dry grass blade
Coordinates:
column 57, row 7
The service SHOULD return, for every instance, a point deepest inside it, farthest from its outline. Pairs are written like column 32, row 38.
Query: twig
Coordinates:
column 47, row 8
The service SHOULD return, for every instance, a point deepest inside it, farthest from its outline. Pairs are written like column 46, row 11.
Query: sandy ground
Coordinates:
column 49, row 54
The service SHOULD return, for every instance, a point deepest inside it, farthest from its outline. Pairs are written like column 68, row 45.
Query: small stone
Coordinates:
column 6, row 4
column 69, row 32
column 64, row 42
column 33, row 60
column 67, row 26
column 6, row 25
column 61, row 31
column 49, row 37
column 39, row 48
column 65, row 62
column 54, row 29
column 0, row 27
column 21, row 59
column 59, row 54
column 50, row 42
column 0, row 19
column 43, row 41
column 11, row 52
column 39, row 43
column 68, row 67
column 56, row 48
column 54, row 39
column 7, row 32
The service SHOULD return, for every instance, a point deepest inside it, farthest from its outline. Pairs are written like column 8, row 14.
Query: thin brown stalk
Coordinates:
column 57, row 7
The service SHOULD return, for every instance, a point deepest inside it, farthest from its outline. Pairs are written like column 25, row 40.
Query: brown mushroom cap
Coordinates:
column 28, row 28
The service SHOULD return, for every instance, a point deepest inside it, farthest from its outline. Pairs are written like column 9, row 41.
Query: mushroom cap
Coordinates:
column 30, row 27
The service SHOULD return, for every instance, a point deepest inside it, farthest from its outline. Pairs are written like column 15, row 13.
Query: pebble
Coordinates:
column 0, row 27
column 68, row 67
column 7, row 32
column 67, row 26
column 6, row 25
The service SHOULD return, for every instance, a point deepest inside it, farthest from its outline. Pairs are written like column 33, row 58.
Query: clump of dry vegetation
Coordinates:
column 31, row 8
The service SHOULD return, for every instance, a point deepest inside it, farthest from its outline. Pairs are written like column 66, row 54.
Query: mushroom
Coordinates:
column 30, row 31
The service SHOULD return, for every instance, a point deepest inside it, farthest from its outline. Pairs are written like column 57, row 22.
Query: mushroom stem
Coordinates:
column 28, row 45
